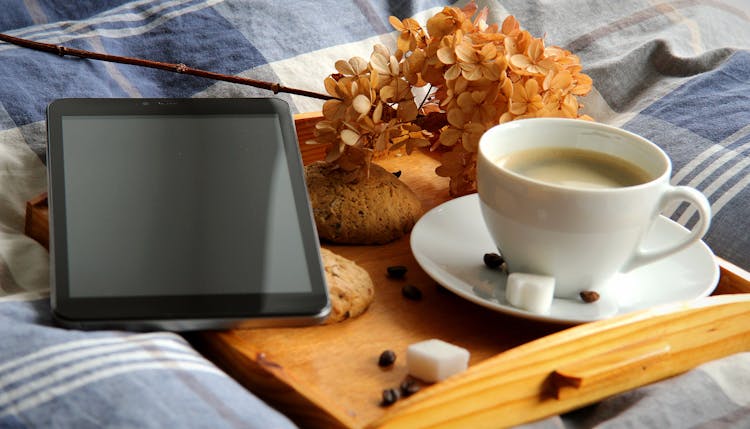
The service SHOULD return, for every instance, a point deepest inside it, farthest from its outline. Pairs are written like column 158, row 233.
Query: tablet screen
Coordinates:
column 166, row 202
column 179, row 205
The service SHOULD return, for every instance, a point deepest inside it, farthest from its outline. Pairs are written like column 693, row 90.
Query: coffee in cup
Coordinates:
column 574, row 200
column 567, row 166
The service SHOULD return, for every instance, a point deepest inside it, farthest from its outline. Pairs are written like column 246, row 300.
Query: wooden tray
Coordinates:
column 520, row 371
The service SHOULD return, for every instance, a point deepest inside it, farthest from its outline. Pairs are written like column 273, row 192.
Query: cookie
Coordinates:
column 349, row 286
column 371, row 210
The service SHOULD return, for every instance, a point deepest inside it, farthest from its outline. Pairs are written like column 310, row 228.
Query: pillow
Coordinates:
column 52, row 377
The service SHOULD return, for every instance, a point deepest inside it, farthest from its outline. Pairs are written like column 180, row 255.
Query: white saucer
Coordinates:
column 450, row 240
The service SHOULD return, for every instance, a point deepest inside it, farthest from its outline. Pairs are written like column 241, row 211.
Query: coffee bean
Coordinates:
column 408, row 387
column 396, row 271
column 390, row 396
column 387, row 358
column 411, row 292
column 589, row 296
column 493, row 260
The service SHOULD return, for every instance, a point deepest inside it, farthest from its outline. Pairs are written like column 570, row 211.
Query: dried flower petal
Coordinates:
column 361, row 104
column 349, row 137
column 466, row 53
column 510, row 26
column 407, row 110
column 333, row 109
column 456, row 118
column 449, row 136
column 583, row 84
column 377, row 114
column 331, row 86
column 471, row 72
column 379, row 63
column 447, row 55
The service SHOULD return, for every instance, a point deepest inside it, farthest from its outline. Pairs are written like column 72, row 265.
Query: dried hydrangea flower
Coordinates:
column 479, row 75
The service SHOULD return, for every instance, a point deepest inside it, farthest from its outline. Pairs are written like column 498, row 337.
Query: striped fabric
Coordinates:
column 55, row 378
column 674, row 71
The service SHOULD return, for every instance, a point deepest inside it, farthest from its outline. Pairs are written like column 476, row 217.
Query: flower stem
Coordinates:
column 176, row 68
column 427, row 94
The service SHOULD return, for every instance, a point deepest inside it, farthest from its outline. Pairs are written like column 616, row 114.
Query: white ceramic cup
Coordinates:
column 580, row 236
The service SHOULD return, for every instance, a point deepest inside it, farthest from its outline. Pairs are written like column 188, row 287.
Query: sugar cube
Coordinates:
column 435, row 360
column 530, row 292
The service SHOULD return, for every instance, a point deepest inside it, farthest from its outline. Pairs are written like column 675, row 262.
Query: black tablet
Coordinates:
column 180, row 214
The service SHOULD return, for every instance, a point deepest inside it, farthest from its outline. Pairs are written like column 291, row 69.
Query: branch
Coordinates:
column 177, row 68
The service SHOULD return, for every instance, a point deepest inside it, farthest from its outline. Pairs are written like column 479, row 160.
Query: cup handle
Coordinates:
column 676, row 194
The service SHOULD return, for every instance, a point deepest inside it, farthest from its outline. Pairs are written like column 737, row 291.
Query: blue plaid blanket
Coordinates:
column 676, row 72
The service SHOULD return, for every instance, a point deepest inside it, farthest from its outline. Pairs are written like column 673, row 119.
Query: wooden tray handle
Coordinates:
column 581, row 365
column 609, row 367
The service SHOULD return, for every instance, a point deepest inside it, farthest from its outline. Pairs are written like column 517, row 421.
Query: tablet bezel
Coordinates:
column 185, row 312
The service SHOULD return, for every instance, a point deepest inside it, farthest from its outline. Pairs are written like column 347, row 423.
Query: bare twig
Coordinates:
column 177, row 68
column 426, row 95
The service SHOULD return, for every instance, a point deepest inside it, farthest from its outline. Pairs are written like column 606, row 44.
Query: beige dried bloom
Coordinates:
column 412, row 34
column 479, row 74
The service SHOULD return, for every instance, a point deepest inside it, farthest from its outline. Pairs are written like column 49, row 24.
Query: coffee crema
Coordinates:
column 574, row 167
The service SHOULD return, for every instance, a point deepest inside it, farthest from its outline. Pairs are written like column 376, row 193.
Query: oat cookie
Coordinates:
column 349, row 286
column 373, row 210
